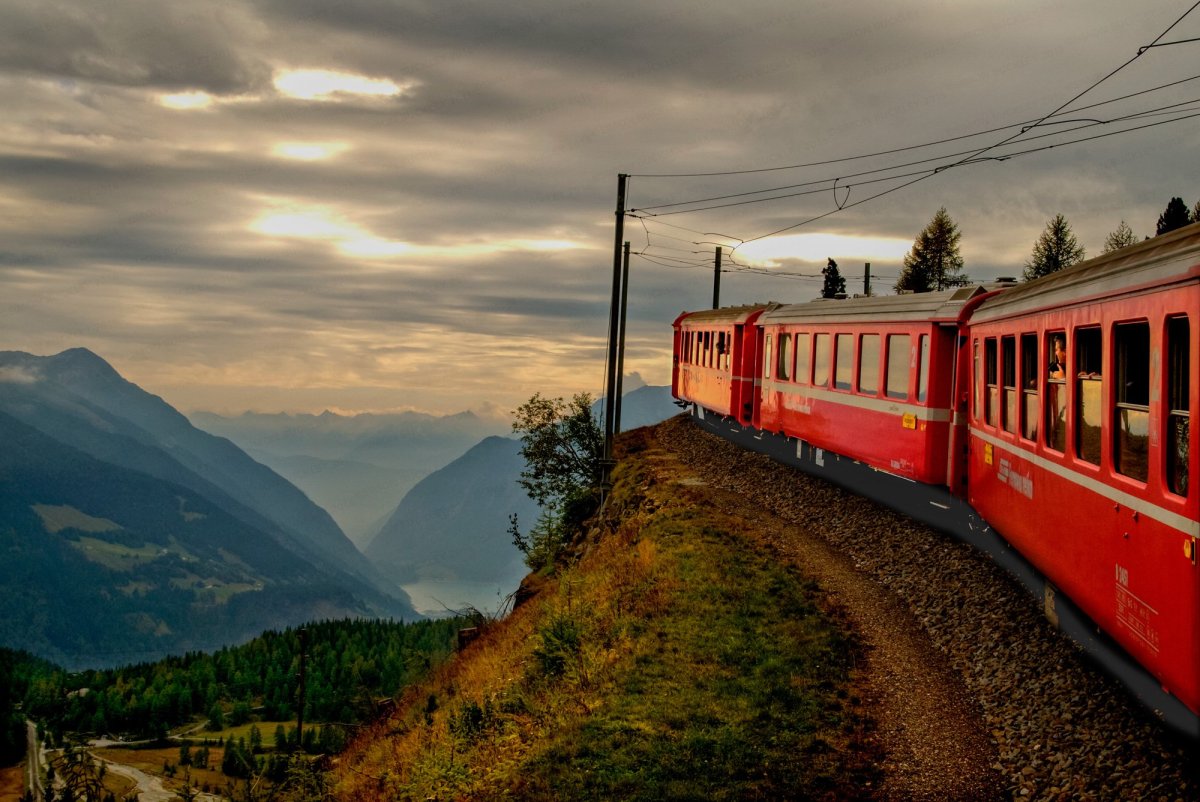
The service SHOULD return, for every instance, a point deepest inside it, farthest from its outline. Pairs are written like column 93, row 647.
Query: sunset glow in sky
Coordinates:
column 293, row 205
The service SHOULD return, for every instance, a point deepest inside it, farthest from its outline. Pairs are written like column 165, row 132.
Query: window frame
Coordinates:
column 1087, row 395
column 905, row 367
column 850, row 342
column 1177, row 389
column 1029, row 408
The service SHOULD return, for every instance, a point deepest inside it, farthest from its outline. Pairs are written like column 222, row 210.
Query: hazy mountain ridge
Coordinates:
column 90, row 438
column 357, row 467
column 78, row 398
column 453, row 523
column 104, row 564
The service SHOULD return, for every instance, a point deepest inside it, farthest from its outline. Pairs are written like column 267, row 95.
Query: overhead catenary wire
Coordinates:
column 962, row 158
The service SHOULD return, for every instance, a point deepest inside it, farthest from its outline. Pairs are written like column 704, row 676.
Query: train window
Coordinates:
column 767, row 359
column 1008, row 390
column 783, row 366
column 723, row 339
column 1056, row 391
column 868, row 364
column 803, row 357
column 923, row 370
column 991, row 399
column 899, row 360
column 1178, row 403
column 845, row 361
column 1030, row 377
column 1131, row 344
column 821, row 360
column 1089, row 396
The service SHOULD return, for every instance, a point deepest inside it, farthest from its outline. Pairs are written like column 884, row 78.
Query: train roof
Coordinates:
column 728, row 315
column 1173, row 257
column 945, row 306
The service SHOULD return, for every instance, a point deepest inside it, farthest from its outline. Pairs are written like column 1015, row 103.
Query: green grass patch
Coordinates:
column 732, row 693
column 56, row 518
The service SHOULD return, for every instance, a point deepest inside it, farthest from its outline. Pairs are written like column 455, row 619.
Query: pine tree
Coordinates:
column 1176, row 215
column 934, row 263
column 1121, row 238
column 1055, row 249
column 834, row 283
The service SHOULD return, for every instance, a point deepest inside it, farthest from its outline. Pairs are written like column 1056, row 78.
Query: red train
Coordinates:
column 1054, row 413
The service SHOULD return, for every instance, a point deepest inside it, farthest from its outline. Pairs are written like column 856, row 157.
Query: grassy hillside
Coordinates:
column 673, row 660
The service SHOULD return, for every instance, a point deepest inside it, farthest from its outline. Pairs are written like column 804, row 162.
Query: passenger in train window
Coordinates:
column 1058, row 363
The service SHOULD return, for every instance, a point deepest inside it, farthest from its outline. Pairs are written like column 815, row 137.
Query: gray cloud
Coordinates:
column 131, row 43
column 138, row 230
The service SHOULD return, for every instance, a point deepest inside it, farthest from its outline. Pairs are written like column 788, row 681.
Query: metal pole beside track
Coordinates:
column 620, row 391
column 606, row 461
column 717, row 280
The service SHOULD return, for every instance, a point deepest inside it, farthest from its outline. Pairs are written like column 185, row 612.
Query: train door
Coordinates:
column 755, row 363
column 956, row 458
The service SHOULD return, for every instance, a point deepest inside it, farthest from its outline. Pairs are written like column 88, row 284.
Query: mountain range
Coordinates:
column 453, row 525
column 129, row 533
column 357, row 467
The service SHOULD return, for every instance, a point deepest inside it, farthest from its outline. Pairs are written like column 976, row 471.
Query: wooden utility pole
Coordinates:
column 717, row 280
column 606, row 461
column 867, row 279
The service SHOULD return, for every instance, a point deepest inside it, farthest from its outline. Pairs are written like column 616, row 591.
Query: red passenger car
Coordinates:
column 715, row 359
column 869, row 378
column 1082, row 452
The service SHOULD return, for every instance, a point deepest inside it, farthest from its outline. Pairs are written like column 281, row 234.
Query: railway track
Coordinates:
column 1061, row 730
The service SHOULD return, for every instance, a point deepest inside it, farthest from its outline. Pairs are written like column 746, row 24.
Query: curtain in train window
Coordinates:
column 1178, row 404
column 767, row 359
column 803, row 357
column 1030, row 377
column 783, row 366
column 991, row 399
column 1089, row 395
column 1008, row 391
column 821, row 360
column 868, row 365
column 1056, row 391
column 1131, row 422
column 845, row 361
column 899, row 360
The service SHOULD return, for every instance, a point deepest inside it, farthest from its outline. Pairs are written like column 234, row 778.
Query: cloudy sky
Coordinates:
column 389, row 204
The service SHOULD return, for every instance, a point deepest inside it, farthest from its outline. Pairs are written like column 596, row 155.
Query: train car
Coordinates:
column 869, row 378
column 1081, row 451
column 715, row 359
column 1048, row 424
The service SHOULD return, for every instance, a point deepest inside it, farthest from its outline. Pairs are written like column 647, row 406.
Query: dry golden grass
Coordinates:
column 671, row 660
column 12, row 783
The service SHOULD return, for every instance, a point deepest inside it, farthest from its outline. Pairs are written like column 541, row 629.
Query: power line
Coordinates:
column 959, row 138
column 650, row 210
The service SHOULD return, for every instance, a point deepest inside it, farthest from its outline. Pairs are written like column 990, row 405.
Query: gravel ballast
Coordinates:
column 1057, row 728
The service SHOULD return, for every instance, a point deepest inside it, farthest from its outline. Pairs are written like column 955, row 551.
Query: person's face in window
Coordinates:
column 1060, row 352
